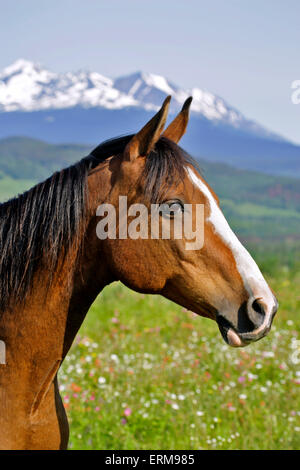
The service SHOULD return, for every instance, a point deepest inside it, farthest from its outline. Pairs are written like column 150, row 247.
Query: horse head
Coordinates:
column 216, row 278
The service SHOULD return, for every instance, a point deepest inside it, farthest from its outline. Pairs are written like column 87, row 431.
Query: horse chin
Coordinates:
column 229, row 335
column 234, row 340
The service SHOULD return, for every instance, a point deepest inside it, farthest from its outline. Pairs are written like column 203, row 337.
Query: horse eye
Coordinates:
column 171, row 208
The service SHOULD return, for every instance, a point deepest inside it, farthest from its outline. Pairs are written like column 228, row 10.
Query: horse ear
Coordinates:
column 178, row 126
column 143, row 142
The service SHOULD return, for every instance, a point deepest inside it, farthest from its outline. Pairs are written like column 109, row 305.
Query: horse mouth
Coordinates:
column 229, row 333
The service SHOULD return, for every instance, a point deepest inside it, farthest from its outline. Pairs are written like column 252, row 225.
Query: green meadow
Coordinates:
column 144, row 373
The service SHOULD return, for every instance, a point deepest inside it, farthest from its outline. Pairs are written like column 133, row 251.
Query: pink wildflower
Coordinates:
column 127, row 412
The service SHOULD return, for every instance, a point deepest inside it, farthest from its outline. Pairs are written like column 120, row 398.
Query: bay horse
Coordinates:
column 53, row 266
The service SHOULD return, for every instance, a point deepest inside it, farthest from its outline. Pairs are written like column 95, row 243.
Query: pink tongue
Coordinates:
column 233, row 339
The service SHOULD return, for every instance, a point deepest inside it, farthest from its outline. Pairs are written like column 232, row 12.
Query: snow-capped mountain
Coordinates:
column 87, row 108
column 149, row 90
column 26, row 86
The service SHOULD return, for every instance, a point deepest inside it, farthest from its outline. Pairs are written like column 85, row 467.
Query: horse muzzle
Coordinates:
column 254, row 326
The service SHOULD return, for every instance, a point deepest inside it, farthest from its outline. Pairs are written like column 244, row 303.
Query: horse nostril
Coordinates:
column 257, row 312
column 258, row 307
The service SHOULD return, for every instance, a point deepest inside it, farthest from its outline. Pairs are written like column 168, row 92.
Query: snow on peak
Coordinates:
column 150, row 89
column 17, row 66
column 158, row 81
column 27, row 86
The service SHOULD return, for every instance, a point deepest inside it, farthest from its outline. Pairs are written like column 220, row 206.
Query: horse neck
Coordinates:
column 39, row 333
column 91, row 272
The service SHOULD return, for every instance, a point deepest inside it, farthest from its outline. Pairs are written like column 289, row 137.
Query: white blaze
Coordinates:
column 251, row 275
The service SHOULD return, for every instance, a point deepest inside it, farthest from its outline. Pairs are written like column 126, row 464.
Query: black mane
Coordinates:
column 40, row 224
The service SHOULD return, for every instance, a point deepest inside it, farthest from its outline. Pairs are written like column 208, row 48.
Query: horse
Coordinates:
column 53, row 266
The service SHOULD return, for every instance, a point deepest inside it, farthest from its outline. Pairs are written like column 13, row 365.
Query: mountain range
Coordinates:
column 87, row 108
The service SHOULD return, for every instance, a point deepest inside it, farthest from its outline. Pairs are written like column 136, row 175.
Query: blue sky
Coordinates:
column 246, row 51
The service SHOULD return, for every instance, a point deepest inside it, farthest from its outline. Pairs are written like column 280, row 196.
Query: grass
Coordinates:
column 146, row 374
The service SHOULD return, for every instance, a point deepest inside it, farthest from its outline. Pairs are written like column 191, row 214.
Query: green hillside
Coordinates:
column 258, row 206
column 252, row 187
column 24, row 158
